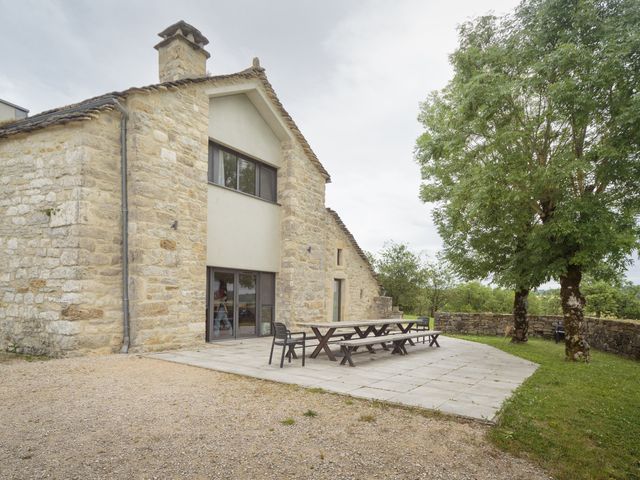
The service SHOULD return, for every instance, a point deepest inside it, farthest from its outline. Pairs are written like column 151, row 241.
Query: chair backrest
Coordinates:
column 280, row 330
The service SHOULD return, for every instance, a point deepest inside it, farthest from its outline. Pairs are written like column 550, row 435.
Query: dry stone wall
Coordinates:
column 616, row 336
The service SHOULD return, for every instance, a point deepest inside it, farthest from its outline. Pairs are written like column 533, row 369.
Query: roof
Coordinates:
column 17, row 107
column 352, row 239
column 88, row 109
column 186, row 29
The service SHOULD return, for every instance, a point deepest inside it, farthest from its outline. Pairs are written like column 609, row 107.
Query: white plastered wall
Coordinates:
column 243, row 232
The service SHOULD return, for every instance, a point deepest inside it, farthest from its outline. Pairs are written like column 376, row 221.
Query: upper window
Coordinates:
column 339, row 257
column 234, row 170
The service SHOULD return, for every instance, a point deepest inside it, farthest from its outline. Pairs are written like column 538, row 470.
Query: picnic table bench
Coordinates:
column 398, row 340
column 365, row 328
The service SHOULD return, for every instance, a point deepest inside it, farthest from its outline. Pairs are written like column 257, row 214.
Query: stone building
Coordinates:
column 219, row 200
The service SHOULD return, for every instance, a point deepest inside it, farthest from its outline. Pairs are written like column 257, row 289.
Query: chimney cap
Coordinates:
column 188, row 31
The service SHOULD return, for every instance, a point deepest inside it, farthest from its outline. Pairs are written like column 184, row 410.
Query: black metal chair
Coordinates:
column 558, row 331
column 282, row 336
column 422, row 325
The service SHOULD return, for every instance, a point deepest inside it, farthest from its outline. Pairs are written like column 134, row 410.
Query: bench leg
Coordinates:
column 406, row 330
column 433, row 340
column 346, row 352
column 364, row 334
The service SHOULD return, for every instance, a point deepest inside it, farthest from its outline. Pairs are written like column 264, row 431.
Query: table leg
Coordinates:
column 323, row 341
column 405, row 330
column 364, row 334
column 380, row 333
column 433, row 339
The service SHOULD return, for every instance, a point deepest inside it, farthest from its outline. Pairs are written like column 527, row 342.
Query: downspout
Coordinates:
column 124, row 202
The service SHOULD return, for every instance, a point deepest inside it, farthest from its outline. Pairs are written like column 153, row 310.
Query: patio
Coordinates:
column 461, row 378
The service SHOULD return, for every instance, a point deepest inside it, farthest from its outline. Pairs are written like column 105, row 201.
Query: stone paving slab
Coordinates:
column 460, row 378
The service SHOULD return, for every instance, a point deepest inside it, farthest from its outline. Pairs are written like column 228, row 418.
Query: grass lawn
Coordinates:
column 578, row 421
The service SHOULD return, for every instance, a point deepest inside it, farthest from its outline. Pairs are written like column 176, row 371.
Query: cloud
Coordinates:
column 352, row 74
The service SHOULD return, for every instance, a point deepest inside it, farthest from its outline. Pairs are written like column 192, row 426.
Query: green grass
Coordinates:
column 579, row 421
column 288, row 421
column 310, row 413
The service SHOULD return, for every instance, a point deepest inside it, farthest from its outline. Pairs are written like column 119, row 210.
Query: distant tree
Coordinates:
column 438, row 279
column 544, row 109
column 601, row 298
column 629, row 301
column 400, row 274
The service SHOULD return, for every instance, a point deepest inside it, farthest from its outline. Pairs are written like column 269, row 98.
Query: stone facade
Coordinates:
column 359, row 286
column 168, row 148
column 616, row 336
column 60, row 239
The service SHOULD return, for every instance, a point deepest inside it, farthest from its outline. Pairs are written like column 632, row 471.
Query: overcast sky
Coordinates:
column 351, row 74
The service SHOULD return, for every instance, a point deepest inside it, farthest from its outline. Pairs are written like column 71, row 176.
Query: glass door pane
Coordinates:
column 267, row 302
column 247, row 304
column 337, row 300
column 222, row 306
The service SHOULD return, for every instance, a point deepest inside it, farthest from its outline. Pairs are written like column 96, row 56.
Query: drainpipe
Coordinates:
column 124, row 202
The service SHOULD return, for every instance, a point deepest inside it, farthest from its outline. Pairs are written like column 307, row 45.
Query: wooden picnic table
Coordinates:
column 363, row 328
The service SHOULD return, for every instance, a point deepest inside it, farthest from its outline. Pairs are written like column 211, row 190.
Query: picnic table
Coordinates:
column 362, row 328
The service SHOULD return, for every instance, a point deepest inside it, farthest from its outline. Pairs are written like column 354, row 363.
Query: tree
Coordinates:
column 472, row 171
column 438, row 279
column 400, row 274
column 544, row 106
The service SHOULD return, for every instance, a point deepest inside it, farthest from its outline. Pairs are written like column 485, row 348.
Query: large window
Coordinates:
column 233, row 170
column 239, row 303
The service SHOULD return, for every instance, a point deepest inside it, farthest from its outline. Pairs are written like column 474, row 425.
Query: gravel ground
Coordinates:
column 132, row 417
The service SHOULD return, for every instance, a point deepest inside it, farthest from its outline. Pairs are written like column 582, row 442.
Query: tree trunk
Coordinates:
column 576, row 346
column 520, row 320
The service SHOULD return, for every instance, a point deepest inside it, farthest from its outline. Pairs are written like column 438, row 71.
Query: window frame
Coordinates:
column 214, row 154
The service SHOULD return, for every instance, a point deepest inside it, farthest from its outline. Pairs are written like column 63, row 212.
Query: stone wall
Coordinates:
column 360, row 287
column 300, row 284
column 56, row 268
column 168, row 151
column 616, row 336
column 60, row 238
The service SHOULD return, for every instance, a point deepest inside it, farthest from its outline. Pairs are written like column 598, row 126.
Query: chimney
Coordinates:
column 181, row 52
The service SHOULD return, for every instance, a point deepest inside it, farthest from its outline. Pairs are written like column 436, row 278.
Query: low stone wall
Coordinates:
column 616, row 336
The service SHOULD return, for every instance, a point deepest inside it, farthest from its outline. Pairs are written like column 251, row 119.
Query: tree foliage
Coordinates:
column 532, row 150
column 400, row 274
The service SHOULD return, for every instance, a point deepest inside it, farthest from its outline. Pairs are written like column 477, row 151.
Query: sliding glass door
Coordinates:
column 239, row 304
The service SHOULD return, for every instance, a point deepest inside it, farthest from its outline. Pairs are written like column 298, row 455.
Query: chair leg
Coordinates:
column 282, row 356
column 272, row 345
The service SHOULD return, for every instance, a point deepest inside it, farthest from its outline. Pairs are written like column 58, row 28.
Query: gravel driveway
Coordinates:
column 132, row 417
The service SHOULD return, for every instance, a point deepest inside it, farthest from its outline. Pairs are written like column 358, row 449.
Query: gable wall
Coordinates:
column 242, row 232
column 60, row 264
column 235, row 122
column 360, row 287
